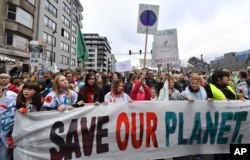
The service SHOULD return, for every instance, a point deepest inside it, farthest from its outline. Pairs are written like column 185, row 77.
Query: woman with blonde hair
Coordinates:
column 195, row 91
column 61, row 97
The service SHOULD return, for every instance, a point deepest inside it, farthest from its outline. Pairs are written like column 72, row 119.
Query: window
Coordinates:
column 65, row 21
column 73, row 40
column 66, row 9
column 73, row 51
column 91, row 50
column 19, row 15
column 9, row 39
column 73, row 28
column 73, row 62
column 65, row 34
column 24, row 18
column 49, row 56
column 49, row 23
column 11, row 12
column 51, row 8
column 31, row 1
column 47, row 38
column 74, row 7
column 91, row 55
column 69, row 1
column 16, row 41
column 20, row 42
column 74, row 18
column 64, row 60
column 64, row 47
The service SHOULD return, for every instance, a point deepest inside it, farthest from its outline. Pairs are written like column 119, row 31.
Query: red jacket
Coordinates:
column 138, row 95
column 13, row 88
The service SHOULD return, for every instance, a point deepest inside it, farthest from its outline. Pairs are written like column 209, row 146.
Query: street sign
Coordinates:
column 147, row 19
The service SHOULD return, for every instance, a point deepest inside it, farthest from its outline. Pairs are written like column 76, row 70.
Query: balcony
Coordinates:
column 101, row 64
column 17, row 27
column 24, row 4
column 102, row 56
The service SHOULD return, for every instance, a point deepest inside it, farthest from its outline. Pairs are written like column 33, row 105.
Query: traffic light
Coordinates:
column 129, row 52
column 140, row 51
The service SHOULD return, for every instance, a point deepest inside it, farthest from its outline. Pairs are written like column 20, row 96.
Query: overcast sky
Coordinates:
column 208, row 27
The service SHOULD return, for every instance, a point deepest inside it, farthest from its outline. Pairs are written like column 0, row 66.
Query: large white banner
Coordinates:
column 147, row 18
column 138, row 130
column 165, row 47
column 123, row 66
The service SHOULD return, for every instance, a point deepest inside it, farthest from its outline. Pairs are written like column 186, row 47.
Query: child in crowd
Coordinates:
column 153, row 94
column 61, row 97
column 117, row 93
column 29, row 100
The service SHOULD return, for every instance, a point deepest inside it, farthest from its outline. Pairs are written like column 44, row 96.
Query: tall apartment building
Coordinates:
column 99, row 53
column 58, row 25
column 51, row 21
column 18, row 21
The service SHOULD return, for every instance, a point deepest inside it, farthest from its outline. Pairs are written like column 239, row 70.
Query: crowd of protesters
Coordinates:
column 71, row 89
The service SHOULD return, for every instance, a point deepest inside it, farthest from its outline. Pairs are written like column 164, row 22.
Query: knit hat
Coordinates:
column 6, row 75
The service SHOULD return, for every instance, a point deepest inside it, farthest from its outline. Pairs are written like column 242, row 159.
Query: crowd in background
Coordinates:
column 44, row 90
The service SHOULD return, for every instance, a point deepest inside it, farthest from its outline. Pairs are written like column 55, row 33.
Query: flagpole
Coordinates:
column 146, row 43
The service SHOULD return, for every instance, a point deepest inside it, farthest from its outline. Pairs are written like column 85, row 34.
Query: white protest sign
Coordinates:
column 147, row 18
column 36, row 51
column 123, row 66
column 165, row 47
column 138, row 130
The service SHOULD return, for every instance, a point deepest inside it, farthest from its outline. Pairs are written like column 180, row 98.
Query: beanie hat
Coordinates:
column 6, row 75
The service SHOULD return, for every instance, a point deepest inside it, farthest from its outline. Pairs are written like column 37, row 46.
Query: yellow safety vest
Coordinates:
column 218, row 94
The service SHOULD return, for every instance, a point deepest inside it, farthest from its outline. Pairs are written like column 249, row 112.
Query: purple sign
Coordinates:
column 148, row 18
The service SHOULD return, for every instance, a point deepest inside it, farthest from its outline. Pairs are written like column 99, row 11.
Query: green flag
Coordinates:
column 82, row 51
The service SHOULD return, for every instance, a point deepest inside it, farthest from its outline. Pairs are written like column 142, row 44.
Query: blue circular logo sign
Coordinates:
column 148, row 18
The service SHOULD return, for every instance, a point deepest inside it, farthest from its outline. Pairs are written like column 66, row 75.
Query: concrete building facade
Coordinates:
column 59, row 21
column 18, row 20
column 113, row 62
column 100, row 57
column 54, row 22
column 232, row 60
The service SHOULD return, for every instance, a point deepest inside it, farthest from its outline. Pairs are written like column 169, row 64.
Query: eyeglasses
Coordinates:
column 91, row 79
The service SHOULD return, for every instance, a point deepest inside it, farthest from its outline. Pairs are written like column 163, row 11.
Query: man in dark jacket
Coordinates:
column 17, row 70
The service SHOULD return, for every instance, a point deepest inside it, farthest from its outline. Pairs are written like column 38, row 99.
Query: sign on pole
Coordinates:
column 36, row 50
column 165, row 47
column 147, row 19
column 123, row 66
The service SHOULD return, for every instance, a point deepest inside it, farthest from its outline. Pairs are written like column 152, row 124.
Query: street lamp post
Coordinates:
column 51, row 54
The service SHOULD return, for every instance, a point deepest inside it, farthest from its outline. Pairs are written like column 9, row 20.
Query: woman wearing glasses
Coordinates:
column 90, row 92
